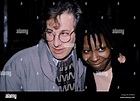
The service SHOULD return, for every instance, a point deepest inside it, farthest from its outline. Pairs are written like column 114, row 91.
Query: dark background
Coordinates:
column 25, row 14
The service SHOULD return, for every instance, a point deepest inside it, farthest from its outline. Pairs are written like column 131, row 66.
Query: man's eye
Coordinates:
column 65, row 33
column 49, row 32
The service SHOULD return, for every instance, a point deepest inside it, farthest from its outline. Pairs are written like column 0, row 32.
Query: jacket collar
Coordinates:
column 44, row 60
column 47, row 62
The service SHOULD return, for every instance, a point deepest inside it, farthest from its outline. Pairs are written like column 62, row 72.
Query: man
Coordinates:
column 52, row 65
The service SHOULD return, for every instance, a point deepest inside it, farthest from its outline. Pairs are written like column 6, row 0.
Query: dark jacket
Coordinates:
column 123, row 83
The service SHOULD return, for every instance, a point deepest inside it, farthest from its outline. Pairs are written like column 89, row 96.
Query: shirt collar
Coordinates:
column 56, row 60
column 104, row 73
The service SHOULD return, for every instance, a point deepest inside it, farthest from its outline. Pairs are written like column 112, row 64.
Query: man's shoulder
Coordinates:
column 24, row 53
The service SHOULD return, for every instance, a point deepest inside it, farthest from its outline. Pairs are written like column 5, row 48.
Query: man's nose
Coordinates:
column 56, row 41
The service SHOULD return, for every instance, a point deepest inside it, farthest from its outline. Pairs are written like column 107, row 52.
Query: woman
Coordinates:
column 107, row 68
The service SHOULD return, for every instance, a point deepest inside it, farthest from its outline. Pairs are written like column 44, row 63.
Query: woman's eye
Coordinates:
column 101, row 49
column 86, row 51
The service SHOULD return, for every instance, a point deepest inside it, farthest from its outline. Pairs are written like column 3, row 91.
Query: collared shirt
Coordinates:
column 56, row 60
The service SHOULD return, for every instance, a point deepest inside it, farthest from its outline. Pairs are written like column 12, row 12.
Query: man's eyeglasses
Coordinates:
column 64, row 36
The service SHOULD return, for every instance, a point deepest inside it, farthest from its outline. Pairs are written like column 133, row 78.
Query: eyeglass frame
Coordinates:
column 53, row 33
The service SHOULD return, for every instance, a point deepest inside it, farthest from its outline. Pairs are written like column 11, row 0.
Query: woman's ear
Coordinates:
column 121, row 58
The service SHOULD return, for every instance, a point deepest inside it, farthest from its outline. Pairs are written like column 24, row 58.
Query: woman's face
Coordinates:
column 98, row 58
